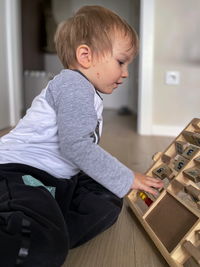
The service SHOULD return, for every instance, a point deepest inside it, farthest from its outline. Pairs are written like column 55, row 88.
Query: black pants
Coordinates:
column 37, row 229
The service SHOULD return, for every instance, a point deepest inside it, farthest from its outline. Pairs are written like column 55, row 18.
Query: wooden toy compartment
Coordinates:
column 170, row 221
column 173, row 218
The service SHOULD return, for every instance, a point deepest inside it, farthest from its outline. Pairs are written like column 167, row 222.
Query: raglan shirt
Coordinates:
column 60, row 132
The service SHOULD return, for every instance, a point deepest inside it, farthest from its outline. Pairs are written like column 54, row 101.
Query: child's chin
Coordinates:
column 110, row 92
column 107, row 91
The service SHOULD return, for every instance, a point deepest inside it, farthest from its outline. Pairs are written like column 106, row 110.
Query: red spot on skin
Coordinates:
column 98, row 75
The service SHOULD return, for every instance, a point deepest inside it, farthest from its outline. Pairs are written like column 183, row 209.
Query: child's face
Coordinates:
column 108, row 71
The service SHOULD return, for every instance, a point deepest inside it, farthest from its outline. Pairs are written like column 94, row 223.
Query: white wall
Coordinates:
column 177, row 47
column 128, row 9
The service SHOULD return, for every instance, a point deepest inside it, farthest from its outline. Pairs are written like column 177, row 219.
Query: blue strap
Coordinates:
column 31, row 181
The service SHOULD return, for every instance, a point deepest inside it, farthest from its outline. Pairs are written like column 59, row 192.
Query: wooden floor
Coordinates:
column 125, row 244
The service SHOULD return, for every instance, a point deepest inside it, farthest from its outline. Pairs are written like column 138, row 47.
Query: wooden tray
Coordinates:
column 173, row 219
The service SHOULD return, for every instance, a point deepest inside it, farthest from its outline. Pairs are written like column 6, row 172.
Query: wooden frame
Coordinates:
column 145, row 90
column 173, row 219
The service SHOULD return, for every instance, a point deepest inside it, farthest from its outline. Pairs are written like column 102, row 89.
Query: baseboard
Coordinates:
column 165, row 130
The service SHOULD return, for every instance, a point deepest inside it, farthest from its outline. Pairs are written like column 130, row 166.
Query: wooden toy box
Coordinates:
column 173, row 218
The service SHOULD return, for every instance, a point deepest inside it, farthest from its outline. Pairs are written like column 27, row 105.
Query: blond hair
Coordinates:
column 93, row 26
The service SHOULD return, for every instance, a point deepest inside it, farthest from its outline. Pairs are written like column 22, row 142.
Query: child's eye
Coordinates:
column 120, row 62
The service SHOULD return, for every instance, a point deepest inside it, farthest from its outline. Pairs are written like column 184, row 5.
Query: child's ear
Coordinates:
column 84, row 56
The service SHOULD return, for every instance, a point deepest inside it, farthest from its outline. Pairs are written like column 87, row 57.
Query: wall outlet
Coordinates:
column 172, row 77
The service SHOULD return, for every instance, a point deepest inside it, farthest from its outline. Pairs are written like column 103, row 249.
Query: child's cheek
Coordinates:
column 98, row 75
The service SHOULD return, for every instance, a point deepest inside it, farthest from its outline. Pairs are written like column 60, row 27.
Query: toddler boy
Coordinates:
column 58, row 187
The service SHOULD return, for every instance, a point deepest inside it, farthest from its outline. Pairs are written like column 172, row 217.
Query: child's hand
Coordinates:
column 146, row 183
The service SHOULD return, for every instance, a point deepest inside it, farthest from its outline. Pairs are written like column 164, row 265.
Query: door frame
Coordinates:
column 14, row 59
column 146, row 63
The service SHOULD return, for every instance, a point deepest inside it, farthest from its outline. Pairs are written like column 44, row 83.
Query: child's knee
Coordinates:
column 117, row 204
column 32, row 228
column 113, row 200
column 25, row 240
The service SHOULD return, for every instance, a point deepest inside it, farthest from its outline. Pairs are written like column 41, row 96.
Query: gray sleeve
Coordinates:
column 77, row 119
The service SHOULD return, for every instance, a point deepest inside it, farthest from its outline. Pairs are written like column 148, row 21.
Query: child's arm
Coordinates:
column 146, row 183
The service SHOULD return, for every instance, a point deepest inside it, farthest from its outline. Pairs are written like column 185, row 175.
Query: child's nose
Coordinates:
column 124, row 73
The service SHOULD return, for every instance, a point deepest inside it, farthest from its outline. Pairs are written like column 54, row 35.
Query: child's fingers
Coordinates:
column 156, row 180
column 153, row 182
column 149, row 190
column 147, row 183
